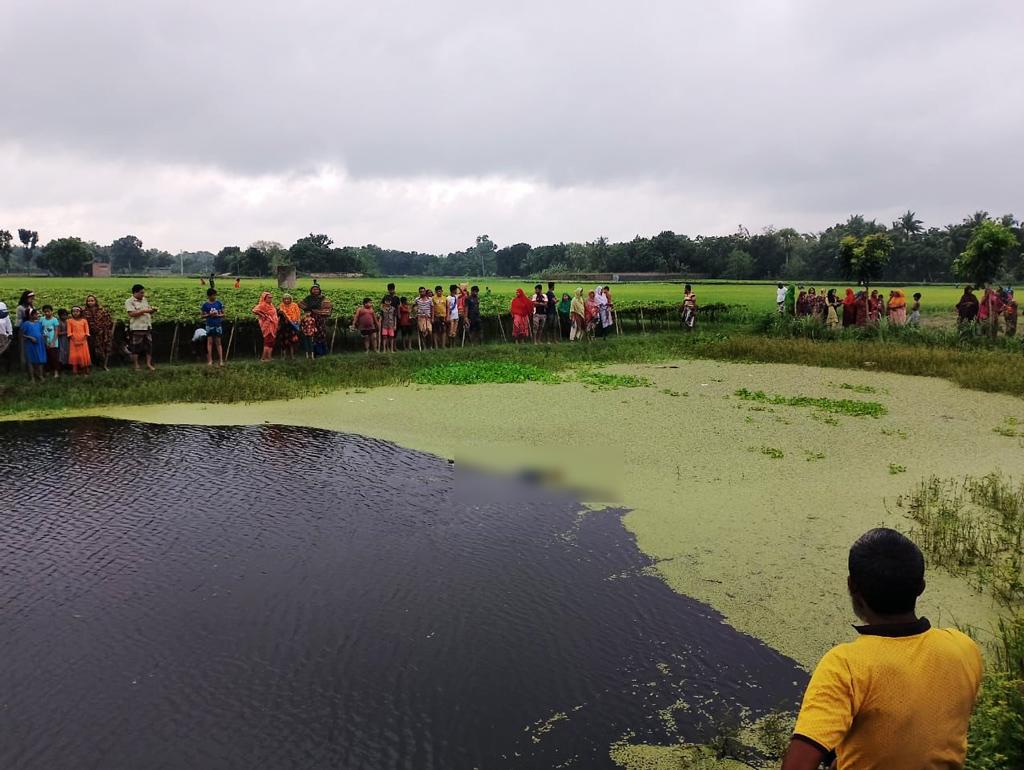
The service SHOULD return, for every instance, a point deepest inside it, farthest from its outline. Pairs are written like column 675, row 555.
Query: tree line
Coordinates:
column 918, row 254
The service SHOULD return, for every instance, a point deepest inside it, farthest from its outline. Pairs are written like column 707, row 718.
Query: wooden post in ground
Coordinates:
column 333, row 335
column 174, row 342
column 501, row 327
column 106, row 353
column 643, row 324
column 231, row 341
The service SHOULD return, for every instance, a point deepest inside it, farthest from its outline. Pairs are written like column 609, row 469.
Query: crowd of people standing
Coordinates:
column 50, row 343
column 863, row 308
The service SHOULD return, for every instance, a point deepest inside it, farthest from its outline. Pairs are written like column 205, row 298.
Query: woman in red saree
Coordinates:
column 849, row 308
column 266, row 314
column 522, row 309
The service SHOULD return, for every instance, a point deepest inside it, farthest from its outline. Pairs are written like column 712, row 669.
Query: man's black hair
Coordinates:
column 403, row 301
column 538, row 286
column 887, row 570
column 366, row 299
column 551, row 285
column 210, row 292
column 474, row 288
column 453, row 287
column 137, row 288
column 47, row 307
column 917, row 295
column 391, row 287
column 438, row 287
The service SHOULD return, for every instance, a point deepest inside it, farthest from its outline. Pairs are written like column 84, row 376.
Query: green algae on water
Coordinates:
column 605, row 381
column 831, row 405
column 480, row 372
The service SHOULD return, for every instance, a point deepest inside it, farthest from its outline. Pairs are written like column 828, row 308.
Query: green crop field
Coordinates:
column 180, row 298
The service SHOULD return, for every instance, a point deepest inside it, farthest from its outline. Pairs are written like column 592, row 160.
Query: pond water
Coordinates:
column 275, row 597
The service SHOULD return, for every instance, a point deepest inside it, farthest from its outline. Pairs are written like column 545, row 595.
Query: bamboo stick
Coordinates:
column 174, row 342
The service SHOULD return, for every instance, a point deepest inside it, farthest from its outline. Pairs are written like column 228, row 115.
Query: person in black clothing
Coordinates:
column 473, row 314
column 967, row 307
column 551, row 313
column 395, row 299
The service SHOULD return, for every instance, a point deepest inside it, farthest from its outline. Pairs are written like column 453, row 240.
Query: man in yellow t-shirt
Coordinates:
column 901, row 695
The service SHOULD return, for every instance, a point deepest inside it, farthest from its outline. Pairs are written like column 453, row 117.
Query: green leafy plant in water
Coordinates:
column 606, row 381
column 813, row 456
column 895, row 468
column 1011, row 427
column 772, row 452
column 479, row 372
column 833, row 406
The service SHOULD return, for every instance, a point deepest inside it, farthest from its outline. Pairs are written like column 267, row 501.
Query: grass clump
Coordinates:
column 479, row 372
column 830, row 405
column 773, row 452
column 974, row 527
column 606, row 381
column 1010, row 427
column 895, row 468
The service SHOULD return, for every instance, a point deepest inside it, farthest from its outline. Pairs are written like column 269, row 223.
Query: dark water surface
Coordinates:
column 271, row 597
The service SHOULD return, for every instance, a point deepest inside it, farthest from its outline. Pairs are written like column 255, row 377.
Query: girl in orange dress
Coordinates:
column 78, row 336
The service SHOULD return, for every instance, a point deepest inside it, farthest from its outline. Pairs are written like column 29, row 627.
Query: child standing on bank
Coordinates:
column 63, row 343
column 365, row 321
column 33, row 343
column 915, row 310
column 50, row 328
column 405, row 322
column 388, row 323
column 213, row 313
column 308, row 328
column 78, row 336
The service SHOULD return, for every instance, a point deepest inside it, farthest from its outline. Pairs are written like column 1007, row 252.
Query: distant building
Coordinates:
column 99, row 269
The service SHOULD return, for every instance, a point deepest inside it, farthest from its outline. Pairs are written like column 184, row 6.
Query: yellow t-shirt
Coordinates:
column 899, row 696
column 440, row 307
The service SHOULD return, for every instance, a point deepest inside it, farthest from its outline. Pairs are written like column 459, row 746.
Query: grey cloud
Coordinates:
column 814, row 106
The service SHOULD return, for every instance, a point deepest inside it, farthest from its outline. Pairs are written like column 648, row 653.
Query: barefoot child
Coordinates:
column 308, row 328
column 78, row 336
column 388, row 323
column 405, row 322
column 365, row 321
column 51, row 326
column 33, row 343
column 213, row 313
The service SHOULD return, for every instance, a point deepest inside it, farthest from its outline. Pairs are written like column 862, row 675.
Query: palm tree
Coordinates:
column 908, row 223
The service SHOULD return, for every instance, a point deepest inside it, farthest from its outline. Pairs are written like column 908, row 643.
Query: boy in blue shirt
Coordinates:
column 50, row 325
column 213, row 314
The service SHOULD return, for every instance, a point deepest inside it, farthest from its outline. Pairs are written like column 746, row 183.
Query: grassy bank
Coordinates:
column 980, row 369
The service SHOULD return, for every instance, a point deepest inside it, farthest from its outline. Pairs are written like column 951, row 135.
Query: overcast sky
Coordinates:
column 419, row 125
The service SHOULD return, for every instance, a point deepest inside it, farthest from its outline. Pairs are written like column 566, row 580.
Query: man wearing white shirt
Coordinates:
column 780, row 297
